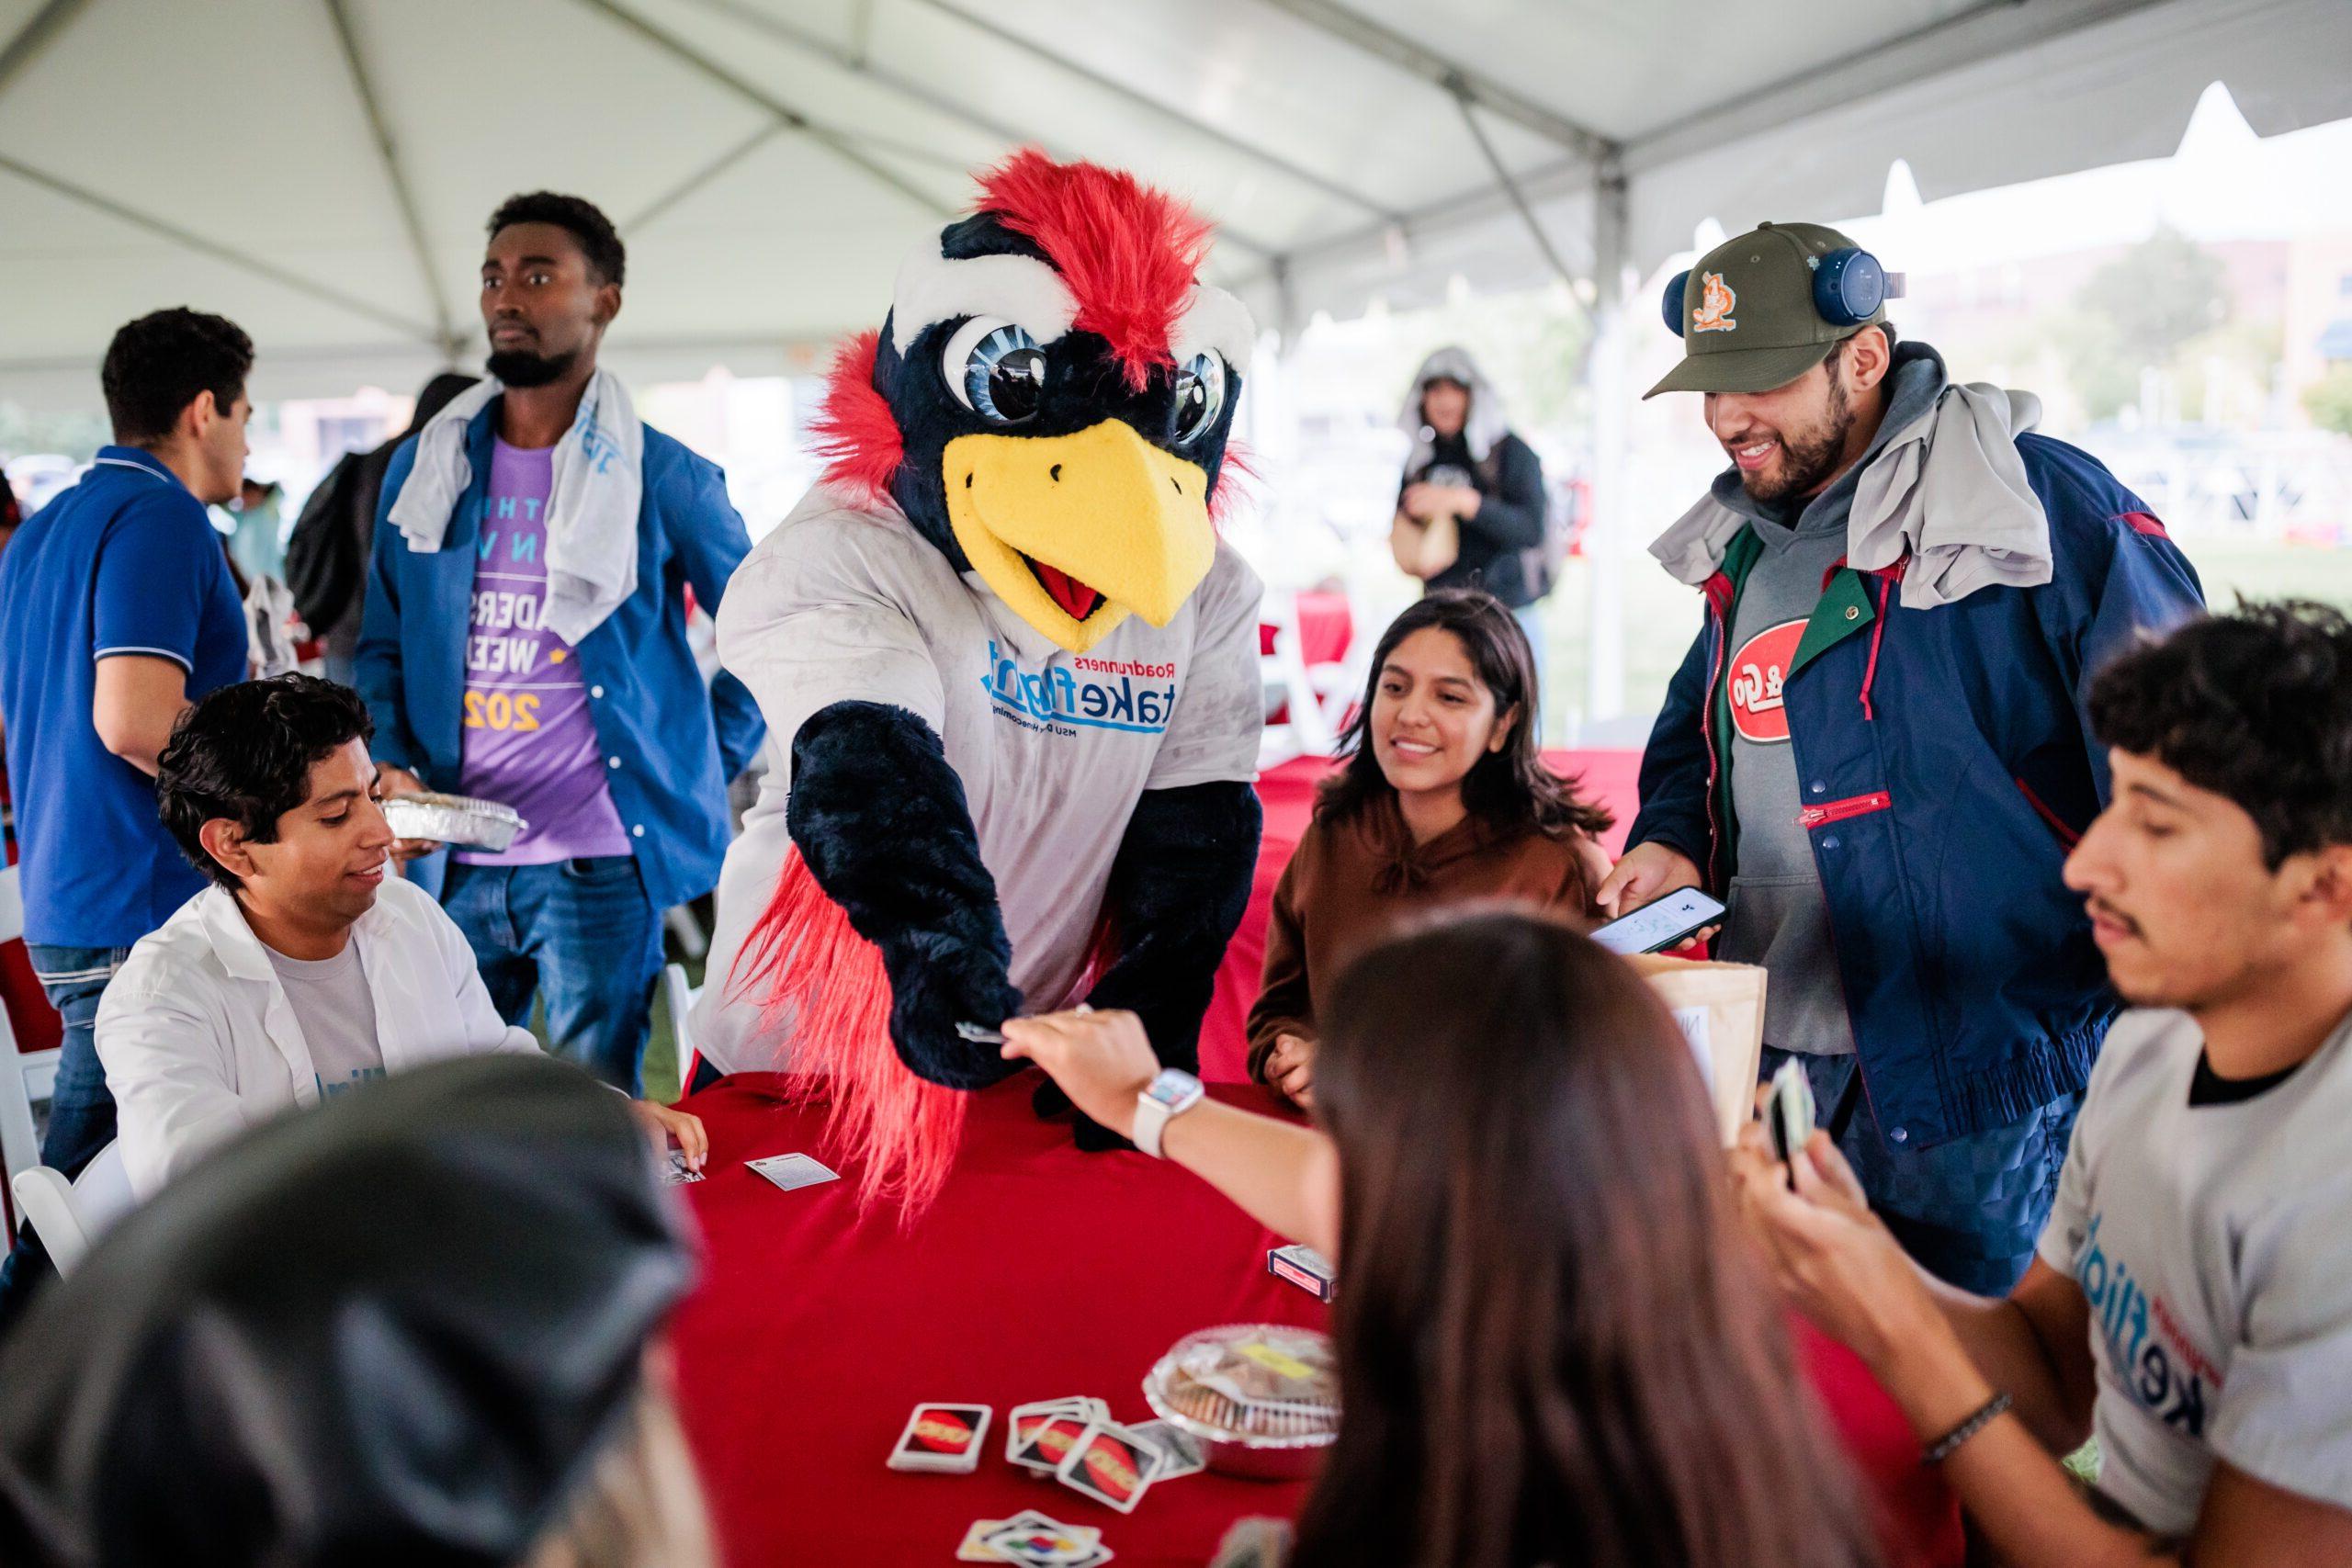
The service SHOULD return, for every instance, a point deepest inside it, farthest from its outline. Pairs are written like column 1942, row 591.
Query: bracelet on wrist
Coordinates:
column 1943, row 1448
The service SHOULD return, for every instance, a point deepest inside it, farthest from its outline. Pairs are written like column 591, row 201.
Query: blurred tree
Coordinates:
column 2136, row 313
column 2329, row 401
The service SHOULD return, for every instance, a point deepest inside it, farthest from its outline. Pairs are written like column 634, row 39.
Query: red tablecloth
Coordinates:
column 1041, row 1272
column 1287, row 791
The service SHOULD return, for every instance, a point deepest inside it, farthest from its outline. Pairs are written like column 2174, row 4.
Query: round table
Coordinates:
column 1041, row 1272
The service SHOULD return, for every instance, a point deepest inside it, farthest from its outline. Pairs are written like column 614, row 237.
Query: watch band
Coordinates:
column 1170, row 1095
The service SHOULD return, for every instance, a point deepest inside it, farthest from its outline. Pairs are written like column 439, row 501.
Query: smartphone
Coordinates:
column 1668, row 923
column 1789, row 1111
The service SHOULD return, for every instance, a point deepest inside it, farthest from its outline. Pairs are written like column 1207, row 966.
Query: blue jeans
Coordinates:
column 584, row 933
column 81, row 1111
column 1970, row 1210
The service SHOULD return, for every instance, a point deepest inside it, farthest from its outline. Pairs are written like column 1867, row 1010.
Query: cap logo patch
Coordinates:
column 1716, row 302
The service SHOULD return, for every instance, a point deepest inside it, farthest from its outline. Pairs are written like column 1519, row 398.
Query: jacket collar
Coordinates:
column 241, row 953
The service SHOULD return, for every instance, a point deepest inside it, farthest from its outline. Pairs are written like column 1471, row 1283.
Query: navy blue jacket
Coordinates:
column 1947, row 766
column 677, row 743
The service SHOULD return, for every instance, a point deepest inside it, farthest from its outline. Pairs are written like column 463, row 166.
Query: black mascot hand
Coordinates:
column 937, row 981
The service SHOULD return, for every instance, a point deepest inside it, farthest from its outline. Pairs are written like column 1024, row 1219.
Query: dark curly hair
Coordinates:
column 576, row 216
column 245, row 752
column 2254, row 705
column 1508, row 790
column 156, row 365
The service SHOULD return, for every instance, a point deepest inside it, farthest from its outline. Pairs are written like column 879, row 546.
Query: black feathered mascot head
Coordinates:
column 1049, row 399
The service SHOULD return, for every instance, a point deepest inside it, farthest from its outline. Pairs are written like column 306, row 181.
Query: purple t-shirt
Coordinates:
column 529, row 739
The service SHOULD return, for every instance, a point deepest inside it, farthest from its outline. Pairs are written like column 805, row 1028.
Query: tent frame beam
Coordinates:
column 219, row 252
column 35, row 36
column 1361, row 200
column 751, row 92
column 858, row 61
column 1455, row 79
column 1510, row 183
column 403, row 195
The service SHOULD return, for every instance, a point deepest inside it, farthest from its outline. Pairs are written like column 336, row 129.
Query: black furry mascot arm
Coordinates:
column 1178, row 889
column 881, row 820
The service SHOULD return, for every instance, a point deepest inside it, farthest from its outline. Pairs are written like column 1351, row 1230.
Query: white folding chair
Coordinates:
column 24, row 1076
column 71, row 1215
column 681, row 997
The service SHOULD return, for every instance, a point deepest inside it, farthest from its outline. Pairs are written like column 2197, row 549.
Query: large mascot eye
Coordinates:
column 1200, row 396
column 996, row 369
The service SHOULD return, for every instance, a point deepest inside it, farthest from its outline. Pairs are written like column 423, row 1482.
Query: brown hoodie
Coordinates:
column 1350, row 885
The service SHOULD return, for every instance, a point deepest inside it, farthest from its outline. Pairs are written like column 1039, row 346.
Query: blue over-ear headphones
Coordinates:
column 1848, row 286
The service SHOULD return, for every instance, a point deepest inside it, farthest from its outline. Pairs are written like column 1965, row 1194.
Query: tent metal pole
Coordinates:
column 860, row 62
column 1112, row 84
column 1604, row 697
column 1503, row 177
column 1340, row 22
column 687, row 55
column 704, row 176
column 219, row 252
column 404, row 196
column 34, row 37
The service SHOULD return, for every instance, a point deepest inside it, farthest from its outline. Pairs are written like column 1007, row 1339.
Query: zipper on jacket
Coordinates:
column 2066, row 836
column 1707, row 731
column 1838, row 810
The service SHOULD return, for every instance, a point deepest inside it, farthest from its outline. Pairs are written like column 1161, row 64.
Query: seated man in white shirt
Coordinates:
column 305, row 969
column 2191, row 1302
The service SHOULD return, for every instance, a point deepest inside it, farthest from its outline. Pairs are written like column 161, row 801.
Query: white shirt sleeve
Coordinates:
column 1220, row 713
column 485, row 1030
column 811, row 619
column 2283, row 1415
column 166, row 1064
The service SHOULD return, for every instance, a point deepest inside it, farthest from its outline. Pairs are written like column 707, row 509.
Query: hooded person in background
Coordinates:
column 1467, row 465
column 242, row 1375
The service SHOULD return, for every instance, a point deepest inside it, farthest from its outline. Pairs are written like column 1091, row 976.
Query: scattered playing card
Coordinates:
column 792, row 1172
column 1045, row 1543
column 1179, row 1454
column 1042, row 1441
column 1303, row 1266
column 976, row 1548
column 1111, row 1465
column 979, row 1034
column 676, row 1171
column 943, row 1438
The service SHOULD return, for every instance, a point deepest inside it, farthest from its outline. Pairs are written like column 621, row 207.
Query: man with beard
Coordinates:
column 1876, row 751
column 523, row 641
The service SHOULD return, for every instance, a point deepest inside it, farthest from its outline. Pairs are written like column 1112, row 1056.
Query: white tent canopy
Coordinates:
column 319, row 169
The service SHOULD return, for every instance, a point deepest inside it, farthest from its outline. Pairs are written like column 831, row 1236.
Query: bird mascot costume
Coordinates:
column 1010, row 673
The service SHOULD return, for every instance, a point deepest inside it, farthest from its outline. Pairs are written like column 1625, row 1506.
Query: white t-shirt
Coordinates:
column 846, row 603
column 2212, row 1244
column 337, row 1016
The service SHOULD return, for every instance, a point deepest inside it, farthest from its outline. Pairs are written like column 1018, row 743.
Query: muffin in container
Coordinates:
column 1262, row 1398
column 454, row 819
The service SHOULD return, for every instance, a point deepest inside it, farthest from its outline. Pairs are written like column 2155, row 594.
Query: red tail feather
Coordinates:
column 829, row 989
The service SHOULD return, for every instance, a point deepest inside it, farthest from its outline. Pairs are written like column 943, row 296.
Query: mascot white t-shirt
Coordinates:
column 845, row 602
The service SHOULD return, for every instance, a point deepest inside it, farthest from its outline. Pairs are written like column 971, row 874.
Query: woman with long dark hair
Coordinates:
column 1555, row 1346
column 1442, row 796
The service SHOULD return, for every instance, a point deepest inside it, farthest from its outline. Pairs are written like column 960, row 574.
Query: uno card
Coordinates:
column 1303, row 1266
column 792, row 1172
column 976, row 1548
column 1789, row 1111
column 1111, row 1465
column 942, row 1438
column 1179, row 1454
column 676, row 1171
column 1047, row 1543
column 1047, row 1441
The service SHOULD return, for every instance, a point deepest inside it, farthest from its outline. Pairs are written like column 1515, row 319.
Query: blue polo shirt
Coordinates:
column 125, row 562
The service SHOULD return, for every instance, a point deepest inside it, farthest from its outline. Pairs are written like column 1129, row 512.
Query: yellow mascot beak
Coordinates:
column 1073, row 532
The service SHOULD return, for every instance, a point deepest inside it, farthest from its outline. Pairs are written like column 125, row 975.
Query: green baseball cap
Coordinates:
column 1749, row 322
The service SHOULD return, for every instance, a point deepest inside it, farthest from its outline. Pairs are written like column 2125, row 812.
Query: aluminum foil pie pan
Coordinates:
column 454, row 819
column 1263, row 1399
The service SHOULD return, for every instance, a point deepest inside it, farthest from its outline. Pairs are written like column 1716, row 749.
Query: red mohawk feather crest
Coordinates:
column 854, row 431
column 1129, row 254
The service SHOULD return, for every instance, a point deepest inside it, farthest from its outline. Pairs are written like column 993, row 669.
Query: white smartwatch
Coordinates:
column 1170, row 1095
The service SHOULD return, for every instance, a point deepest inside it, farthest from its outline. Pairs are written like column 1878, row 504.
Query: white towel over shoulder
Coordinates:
column 591, row 516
